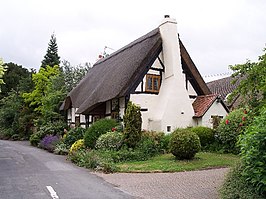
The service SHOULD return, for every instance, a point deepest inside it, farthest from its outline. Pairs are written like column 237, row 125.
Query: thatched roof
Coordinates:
column 116, row 75
column 120, row 73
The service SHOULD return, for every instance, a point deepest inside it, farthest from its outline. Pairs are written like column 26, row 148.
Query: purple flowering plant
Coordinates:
column 49, row 142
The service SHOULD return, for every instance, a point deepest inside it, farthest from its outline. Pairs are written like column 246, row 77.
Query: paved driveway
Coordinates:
column 184, row 185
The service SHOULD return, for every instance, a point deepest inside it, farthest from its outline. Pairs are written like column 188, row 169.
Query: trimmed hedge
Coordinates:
column 98, row 128
column 184, row 144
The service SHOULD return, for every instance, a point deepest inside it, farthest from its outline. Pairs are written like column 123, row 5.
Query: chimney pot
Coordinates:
column 166, row 16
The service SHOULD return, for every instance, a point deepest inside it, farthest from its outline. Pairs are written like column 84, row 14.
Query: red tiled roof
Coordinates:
column 203, row 103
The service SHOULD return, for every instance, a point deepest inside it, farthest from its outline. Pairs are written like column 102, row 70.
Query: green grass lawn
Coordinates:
column 168, row 163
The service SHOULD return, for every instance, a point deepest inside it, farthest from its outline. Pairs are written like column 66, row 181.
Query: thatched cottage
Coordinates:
column 155, row 72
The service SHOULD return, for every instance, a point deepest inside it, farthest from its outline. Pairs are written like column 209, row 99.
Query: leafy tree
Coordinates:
column 252, row 87
column 2, row 71
column 51, row 58
column 12, row 77
column 42, row 81
column 73, row 74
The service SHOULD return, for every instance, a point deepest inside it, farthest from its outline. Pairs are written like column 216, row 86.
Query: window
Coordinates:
column 153, row 83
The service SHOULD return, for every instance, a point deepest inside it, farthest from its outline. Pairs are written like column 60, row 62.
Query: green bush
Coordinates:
column 236, row 186
column 229, row 130
column 253, row 152
column 96, row 130
column 35, row 138
column 93, row 159
column 61, row 148
column 165, row 143
column 132, row 121
column 184, row 144
column 15, row 137
column 109, row 141
column 73, row 135
column 206, row 135
column 150, row 143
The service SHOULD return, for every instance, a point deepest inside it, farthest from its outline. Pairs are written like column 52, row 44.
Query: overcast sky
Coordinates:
column 216, row 33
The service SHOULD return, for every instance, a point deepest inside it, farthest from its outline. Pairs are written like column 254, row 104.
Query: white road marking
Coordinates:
column 52, row 192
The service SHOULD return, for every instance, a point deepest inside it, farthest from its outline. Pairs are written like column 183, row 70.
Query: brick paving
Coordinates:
column 202, row 184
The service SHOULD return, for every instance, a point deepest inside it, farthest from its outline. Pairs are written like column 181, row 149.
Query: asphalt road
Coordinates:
column 30, row 173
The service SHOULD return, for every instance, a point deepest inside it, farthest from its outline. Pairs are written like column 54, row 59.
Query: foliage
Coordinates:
column 2, row 71
column 48, row 129
column 110, row 141
column 205, row 134
column 73, row 135
column 132, row 121
column 35, row 138
column 73, row 74
column 12, row 77
column 165, row 142
column 236, row 186
column 61, row 148
column 92, row 159
column 184, row 144
column 252, row 87
column 10, row 107
column 96, row 130
column 150, row 143
column 79, row 144
column 253, row 152
column 230, row 128
column 49, row 142
column 51, row 58
column 42, row 81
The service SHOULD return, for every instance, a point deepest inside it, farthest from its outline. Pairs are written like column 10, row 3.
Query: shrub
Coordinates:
column 49, row 142
column 253, row 152
column 93, row 159
column 165, row 143
column 61, row 148
column 206, row 135
column 15, row 137
column 236, row 186
column 109, row 141
column 35, row 138
column 150, row 143
column 73, row 135
column 124, row 155
column 96, row 130
column 184, row 144
column 132, row 121
column 229, row 130
column 79, row 144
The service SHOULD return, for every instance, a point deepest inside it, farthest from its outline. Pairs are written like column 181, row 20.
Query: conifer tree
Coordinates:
column 51, row 58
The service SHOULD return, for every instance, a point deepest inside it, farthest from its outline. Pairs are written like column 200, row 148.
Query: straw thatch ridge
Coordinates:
column 116, row 75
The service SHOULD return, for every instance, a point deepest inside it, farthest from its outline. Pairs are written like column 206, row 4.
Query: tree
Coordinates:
column 252, row 87
column 73, row 74
column 48, row 94
column 12, row 77
column 132, row 121
column 2, row 71
column 51, row 58
column 42, row 81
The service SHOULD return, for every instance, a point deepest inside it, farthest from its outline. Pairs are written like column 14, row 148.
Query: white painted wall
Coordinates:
column 172, row 107
column 216, row 109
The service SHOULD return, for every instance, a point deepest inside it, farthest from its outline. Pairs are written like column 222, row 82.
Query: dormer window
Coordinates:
column 153, row 83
